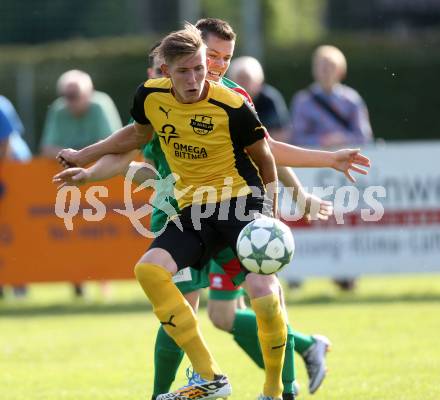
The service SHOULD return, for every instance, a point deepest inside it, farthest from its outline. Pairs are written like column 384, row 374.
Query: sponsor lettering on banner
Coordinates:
column 393, row 227
column 35, row 244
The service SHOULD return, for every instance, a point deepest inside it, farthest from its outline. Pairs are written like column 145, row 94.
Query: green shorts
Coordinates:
column 219, row 282
column 213, row 276
column 225, row 276
column 189, row 279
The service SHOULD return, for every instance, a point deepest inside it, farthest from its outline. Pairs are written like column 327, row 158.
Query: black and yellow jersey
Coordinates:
column 203, row 142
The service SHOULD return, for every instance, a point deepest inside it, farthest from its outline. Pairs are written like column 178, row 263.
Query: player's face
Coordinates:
column 188, row 75
column 219, row 53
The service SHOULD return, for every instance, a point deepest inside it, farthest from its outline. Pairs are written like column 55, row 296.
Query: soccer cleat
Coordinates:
column 263, row 397
column 288, row 396
column 314, row 359
column 200, row 389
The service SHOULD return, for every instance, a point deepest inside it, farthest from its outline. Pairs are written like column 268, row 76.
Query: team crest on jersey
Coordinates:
column 202, row 124
column 167, row 133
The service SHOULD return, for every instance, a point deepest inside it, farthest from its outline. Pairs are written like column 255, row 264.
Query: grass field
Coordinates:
column 386, row 342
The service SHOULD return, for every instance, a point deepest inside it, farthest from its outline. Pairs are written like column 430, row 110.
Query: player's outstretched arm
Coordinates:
column 106, row 167
column 312, row 207
column 128, row 138
column 263, row 158
column 345, row 160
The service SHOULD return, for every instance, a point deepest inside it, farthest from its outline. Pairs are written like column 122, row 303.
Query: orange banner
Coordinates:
column 36, row 246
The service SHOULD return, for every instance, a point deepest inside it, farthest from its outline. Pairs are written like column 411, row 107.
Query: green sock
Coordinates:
column 289, row 362
column 246, row 336
column 302, row 342
column 167, row 358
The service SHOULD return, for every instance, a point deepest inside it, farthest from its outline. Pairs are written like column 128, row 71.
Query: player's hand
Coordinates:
column 349, row 160
column 68, row 158
column 314, row 207
column 72, row 177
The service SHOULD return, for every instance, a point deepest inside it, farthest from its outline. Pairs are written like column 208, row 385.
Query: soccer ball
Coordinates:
column 265, row 246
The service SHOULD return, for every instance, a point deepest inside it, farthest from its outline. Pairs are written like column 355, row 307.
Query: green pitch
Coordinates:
column 385, row 343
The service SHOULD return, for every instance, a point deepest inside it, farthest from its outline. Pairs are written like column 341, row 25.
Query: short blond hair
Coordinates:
column 333, row 54
column 75, row 76
column 181, row 43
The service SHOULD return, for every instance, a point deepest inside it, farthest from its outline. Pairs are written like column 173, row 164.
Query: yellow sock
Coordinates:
column 272, row 333
column 176, row 316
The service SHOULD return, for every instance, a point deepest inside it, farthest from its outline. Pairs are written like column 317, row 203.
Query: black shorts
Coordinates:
column 203, row 237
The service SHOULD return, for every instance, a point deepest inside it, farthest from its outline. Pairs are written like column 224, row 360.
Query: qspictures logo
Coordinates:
column 346, row 200
column 68, row 200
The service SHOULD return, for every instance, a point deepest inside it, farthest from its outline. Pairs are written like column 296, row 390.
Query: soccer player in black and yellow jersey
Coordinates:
column 209, row 137
column 226, row 306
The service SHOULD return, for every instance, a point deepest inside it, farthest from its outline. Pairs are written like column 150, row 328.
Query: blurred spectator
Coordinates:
column 12, row 146
column 80, row 117
column 5, row 132
column 17, row 148
column 329, row 114
column 268, row 101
